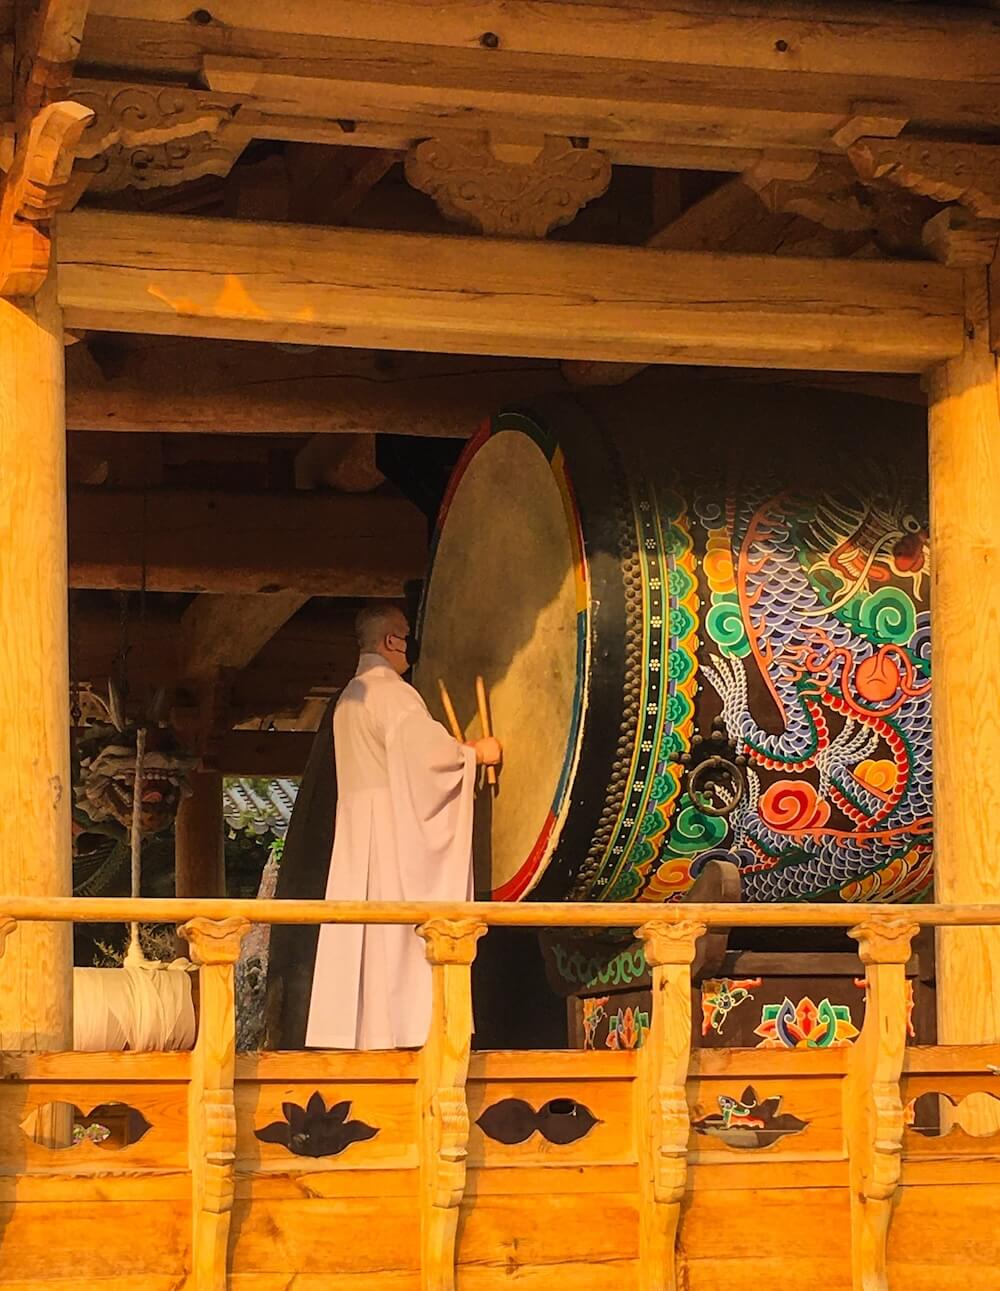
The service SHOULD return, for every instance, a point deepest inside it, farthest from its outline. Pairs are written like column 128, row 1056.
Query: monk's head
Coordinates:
column 383, row 629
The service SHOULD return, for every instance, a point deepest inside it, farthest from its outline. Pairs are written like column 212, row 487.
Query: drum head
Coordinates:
column 505, row 601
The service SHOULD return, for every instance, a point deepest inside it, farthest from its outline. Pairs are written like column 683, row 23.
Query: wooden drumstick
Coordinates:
column 449, row 712
column 484, row 722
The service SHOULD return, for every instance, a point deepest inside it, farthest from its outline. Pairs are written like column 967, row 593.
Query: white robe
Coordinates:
column 405, row 796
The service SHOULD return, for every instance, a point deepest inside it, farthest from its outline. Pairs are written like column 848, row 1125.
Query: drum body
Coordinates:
column 743, row 575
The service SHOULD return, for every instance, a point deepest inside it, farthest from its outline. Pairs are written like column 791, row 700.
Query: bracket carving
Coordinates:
column 33, row 191
column 948, row 172
column 505, row 192
column 130, row 115
column 165, row 164
column 828, row 195
column 960, row 240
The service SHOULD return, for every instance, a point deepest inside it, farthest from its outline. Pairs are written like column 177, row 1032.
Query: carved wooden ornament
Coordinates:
column 948, row 172
column 503, row 197
column 33, row 191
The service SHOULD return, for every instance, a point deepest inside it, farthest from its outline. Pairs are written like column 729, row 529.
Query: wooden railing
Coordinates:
column 872, row 1110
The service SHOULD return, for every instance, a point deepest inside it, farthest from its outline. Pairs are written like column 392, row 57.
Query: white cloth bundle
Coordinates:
column 140, row 1007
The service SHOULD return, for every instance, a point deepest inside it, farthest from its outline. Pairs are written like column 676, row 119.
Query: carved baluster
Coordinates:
column 873, row 1111
column 662, row 1117
column 444, row 1068
column 215, row 945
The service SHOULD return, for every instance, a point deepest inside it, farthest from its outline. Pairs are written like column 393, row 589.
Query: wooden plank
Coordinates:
column 611, row 1142
column 162, row 1147
column 312, row 544
column 179, row 385
column 338, row 1065
column 225, row 278
column 333, row 1238
column 138, row 1240
column 389, row 1107
column 85, row 1068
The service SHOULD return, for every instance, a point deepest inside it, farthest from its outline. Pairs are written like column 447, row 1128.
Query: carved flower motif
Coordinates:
column 316, row 1130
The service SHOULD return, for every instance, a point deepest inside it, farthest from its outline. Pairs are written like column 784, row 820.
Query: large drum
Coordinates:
column 704, row 632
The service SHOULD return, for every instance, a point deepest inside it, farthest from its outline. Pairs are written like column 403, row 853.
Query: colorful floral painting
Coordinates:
column 627, row 1028
column 719, row 996
column 805, row 1025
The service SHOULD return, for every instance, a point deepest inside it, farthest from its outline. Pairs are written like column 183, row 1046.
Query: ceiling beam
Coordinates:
column 176, row 384
column 941, row 63
column 315, row 651
column 228, row 631
column 203, row 541
column 867, row 39
column 294, row 284
column 262, row 753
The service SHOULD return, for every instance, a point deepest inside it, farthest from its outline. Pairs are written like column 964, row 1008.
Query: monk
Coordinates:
column 403, row 832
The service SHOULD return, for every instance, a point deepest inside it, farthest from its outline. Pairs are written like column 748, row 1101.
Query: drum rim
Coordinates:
column 543, row 849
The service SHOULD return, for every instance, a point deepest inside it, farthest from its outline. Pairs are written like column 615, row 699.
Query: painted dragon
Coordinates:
column 829, row 590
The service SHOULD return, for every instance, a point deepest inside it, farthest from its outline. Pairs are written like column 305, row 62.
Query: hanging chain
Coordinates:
column 75, row 706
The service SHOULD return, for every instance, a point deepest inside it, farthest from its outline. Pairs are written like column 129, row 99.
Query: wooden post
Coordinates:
column 662, row 1116
column 873, row 1112
column 36, row 986
column 215, row 945
column 444, row 1113
column 965, row 629
column 199, row 839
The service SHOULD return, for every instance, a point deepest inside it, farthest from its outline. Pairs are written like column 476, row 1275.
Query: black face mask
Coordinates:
column 407, row 647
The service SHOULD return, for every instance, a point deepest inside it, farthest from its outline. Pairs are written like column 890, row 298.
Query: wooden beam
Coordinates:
column 877, row 40
column 312, row 544
column 176, row 384
column 730, row 217
column 263, row 753
column 229, row 631
column 231, row 279
column 942, row 63
column 459, row 89
column 315, row 651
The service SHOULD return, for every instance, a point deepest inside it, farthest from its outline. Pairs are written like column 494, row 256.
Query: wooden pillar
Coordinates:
column 444, row 1111
column 662, row 1116
column 965, row 629
column 873, row 1111
column 36, row 986
column 199, row 839
column 215, row 946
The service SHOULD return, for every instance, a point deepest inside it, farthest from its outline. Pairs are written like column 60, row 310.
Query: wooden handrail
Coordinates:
column 541, row 914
